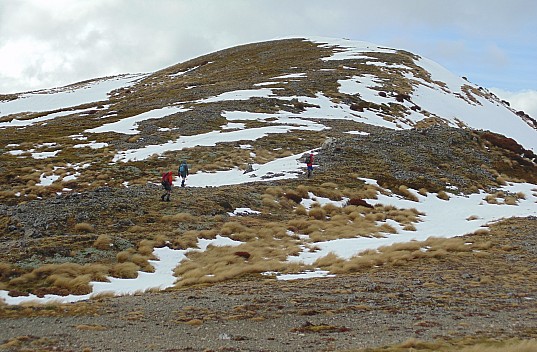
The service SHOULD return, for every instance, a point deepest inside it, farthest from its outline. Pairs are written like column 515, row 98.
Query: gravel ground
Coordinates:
column 490, row 296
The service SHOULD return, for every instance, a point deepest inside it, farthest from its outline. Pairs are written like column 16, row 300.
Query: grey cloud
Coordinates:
column 103, row 37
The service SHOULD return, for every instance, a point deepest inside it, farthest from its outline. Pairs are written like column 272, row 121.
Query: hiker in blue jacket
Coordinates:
column 183, row 172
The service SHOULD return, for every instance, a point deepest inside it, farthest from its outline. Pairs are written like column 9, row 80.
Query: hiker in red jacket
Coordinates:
column 167, row 181
column 309, row 164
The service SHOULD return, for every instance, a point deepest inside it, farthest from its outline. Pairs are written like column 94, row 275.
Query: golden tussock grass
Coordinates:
column 71, row 277
column 331, row 209
column 188, row 239
column 232, row 227
column 244, row 236
column 482, row 231
column 103, row 242
column 272, row 230
column 302, row 191
column 409, row 227
column 98, row 272
column 269, row 201
column 317, row 213
column 520, row 195
column 222, row 263
column 400, row 254
column 82, row 227
column 275, row 191
column 179, row 217
column 442, row 195
column 146, row 248
column 327, row 192
column 491, row 199
column 331, row 185
column 328, row 260
column 142, row 262
column 194, row 322
column 298, row 224
column 502, row 180
column 136, row 229
column 405, row 192
column 301, row 210
column 125, row 255
column 511, row 200
column 127, row 270
column 78, row 285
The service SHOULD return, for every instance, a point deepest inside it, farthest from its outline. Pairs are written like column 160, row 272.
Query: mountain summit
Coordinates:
column 404, row 150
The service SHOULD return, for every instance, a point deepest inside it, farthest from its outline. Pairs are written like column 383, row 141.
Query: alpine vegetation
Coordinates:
column 283, row 159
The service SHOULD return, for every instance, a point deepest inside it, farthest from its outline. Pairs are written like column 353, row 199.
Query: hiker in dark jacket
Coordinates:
column 183, row 172
column 167, row 182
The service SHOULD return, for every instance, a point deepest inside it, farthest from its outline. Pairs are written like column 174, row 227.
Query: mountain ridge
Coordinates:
column 90, row 155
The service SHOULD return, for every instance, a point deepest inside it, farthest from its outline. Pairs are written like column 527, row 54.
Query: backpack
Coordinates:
column 164, row 180
column 307, row 159
column 182, row 168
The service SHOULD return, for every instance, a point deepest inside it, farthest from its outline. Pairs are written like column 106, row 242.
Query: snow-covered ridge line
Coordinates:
column 74, row 95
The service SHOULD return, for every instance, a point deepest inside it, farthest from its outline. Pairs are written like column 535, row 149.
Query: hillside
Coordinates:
column 407, row 157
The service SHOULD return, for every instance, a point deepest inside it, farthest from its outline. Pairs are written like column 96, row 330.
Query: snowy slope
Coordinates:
column 444, row 96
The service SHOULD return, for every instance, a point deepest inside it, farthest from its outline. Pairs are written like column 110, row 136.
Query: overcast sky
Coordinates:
column 45, row 44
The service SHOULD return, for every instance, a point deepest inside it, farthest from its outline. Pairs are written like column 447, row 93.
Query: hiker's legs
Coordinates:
column 166, row 195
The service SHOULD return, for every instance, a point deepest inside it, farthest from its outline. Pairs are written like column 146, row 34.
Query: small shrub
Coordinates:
column 359, row 202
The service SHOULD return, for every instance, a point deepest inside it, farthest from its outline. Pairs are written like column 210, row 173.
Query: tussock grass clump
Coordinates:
column 317, row 213
column 188, row 239
column 399, row 254
column 327, row 192
column 232, row 227
column 126, row 270
column 103, row 242
column 84, row 227
column 136, row 229
column 217, row 263
column 76, row 285
column 294, row 196
column 301, row 210
column 269, row 201
column 179, row 217
column 405, row 192
column 442, row 195
column 61, row 279
column 511, row 200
